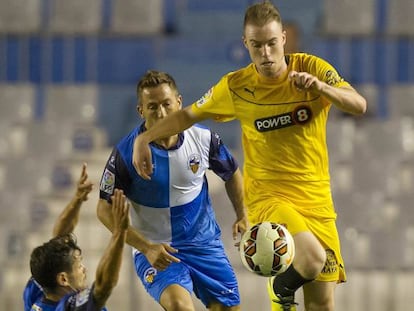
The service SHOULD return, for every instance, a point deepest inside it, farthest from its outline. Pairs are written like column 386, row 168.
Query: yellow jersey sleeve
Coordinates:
column 321, row 69
column 216, row 103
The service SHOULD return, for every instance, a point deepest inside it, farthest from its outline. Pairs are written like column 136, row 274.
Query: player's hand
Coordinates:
column 84, row 186
column 141, row 157
column 239, row 227
column 304, row 81
column 120, row 210
column 159, row 255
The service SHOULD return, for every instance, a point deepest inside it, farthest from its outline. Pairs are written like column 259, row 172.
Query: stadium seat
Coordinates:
column 15, row 275
column 74, row 104
column 348, row 18
column 341, row 133
column 217, row 5
column 379, row 139
column 131, row 17
column 75, row 16
column 378, row 154
column 20, row 16
column 401, row 100
column 210, row 24
column 17, row 102
column 28, row 175
column 371, row 93
column 407, row 139
column 399, row 19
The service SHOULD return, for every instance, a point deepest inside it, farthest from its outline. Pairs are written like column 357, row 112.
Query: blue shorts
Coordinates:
column 206, row 271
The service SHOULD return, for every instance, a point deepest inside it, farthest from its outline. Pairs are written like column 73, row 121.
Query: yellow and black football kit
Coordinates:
column 286, row 165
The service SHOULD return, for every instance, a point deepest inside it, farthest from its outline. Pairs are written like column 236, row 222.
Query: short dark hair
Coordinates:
column 262, row 13
column 154, row 78
column 51, row 258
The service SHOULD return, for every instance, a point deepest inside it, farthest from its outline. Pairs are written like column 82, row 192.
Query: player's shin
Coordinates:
column 288, row 282
column 282, row 289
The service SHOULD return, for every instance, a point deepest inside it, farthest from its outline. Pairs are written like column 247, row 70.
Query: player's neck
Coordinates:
column 57, row 295
column 168, row 142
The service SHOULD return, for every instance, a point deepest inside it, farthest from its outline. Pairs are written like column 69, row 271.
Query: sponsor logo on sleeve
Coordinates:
column 112, row 161
column 108, row 182
column 205, row 98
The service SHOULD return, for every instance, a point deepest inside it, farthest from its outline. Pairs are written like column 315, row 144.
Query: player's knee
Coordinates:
column 310, row 256
column 324, row 305
column 216, row 306
column 320, row 259
column 178, row 305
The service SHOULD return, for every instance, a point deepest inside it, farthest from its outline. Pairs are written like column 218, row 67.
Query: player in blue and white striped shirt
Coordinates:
column 176, row 240
column 58, row 281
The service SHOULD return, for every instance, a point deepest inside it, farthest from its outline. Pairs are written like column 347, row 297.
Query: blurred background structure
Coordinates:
column 67, row 93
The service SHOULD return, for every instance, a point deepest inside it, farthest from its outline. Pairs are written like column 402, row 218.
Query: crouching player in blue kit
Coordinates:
column 176, row 240
column 58, row 279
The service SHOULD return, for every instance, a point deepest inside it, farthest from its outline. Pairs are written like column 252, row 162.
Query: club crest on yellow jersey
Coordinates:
column 332, row 77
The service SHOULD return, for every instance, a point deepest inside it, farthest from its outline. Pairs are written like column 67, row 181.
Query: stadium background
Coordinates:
column 67, row 93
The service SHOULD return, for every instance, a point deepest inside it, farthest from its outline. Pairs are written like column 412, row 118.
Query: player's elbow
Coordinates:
column 361, row 106
column 103, row 213
column 101, row 293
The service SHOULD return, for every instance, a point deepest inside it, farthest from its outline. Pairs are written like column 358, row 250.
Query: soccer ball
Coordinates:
column 267, row 249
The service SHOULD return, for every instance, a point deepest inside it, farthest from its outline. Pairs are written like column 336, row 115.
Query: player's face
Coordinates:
column 157, row 103
column 266, row 48
column 77, row 278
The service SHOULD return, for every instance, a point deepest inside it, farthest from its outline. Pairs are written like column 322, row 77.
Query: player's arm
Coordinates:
column 171, row 125
column 158, row 255
column 234, row 189
column 107, row 272
column 346, row 98
column 134, row 238
column 69, row 217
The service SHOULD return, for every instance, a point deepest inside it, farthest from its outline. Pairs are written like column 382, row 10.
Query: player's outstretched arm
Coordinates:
column 69, row 217
column 169, row 126
column 234, row 189
column 107, row 273
column 158, row 255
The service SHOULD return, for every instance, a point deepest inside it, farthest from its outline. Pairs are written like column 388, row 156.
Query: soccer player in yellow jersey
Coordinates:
column 282, row 103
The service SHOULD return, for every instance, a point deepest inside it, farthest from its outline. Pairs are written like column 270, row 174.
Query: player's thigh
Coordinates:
column 319, row 296
column 216, row 306
column 309, row 254
column 156, row 282
column 176, row 298
column 214, row 279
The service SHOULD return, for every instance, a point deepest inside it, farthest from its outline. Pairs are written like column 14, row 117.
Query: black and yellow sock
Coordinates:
column 288, row 282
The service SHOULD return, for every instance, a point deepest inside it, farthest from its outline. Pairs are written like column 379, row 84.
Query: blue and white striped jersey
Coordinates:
column 34, row 300
column 174, row 206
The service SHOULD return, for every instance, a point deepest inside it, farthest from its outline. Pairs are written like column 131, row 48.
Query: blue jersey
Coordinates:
column 34, row 300
column 174, row 206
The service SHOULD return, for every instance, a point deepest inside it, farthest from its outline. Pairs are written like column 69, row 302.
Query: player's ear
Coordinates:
column 244, row 41
column 139, row 110
column 62, row 279
column 180, row 101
